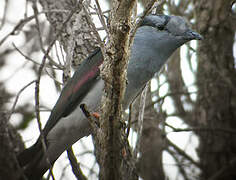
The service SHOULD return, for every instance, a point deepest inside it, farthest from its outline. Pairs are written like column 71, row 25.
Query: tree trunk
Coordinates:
column 77, row 36
column 114, row 160
column 216, row 81
column 10, row 142
column 150, row 164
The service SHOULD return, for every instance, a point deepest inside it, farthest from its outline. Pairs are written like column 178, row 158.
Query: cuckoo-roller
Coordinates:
column 155, row 40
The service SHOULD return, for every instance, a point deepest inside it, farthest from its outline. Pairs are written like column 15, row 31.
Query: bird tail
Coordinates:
column 29, row 160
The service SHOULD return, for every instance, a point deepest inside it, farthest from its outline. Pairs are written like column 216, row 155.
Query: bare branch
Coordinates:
column 35, row 62
column 4, row 13
column 179, row 164
column 75, row 165
column 182, row 153
column 93, row 27
column 147, row 10
column 17, row 97
column 37, row 92
column 129, row 120
column 22, row 23
column 8, row 118
column 207, row 129
column 140, row 121
column 39, row 75
column 101, row 17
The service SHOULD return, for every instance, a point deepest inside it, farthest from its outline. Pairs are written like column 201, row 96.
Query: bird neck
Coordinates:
column 149, row 52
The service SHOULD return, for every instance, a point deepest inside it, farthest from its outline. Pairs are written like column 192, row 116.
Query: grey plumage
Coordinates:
column 155, row 40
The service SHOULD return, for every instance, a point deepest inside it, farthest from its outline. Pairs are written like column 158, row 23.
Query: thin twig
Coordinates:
column 140, row 120
column 147, row 10
column 33, row 61
column 37, row 92
column 17, row 28
column 89, row 168
column 4, row 14
column 193, row 129
column 17, row 97
column 8, row 118
column 51, row 76
column 101, row 17
column 23, row 22
column 129, row 120
column 179, row 164
column 57, row 54
column 161, row 99
column 103, row 12
column 45, row 56
column 90, row 22
column 181, row 152
column 93, row 123
column 39, row 76
column 75, row 165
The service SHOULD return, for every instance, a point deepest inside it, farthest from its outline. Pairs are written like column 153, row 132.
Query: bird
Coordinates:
column 156, row 38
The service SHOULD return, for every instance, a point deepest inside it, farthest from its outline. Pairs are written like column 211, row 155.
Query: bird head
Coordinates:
column 156, row 39
column 161, row 35
column 171, row 27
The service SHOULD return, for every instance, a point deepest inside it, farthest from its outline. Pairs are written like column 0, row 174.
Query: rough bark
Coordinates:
column 77, row 37
column 213, row 111
column 152, row 143
column 143, row 2
column 10, row 142
column 216, row 80
column 213, row 115
column 113, row 141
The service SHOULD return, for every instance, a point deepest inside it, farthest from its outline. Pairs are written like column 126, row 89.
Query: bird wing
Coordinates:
column 76, row 89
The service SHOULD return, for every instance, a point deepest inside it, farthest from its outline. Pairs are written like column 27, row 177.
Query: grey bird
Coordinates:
column 155, row 40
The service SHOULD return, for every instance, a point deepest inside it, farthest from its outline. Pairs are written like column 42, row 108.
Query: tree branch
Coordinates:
column 113, row 144
column 75, row 166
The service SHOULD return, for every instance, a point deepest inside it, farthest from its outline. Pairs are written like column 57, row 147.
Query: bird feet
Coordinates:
column 93, row 117
column 96, row 115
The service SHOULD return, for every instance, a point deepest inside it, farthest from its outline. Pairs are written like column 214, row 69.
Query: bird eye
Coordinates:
column 160, row 27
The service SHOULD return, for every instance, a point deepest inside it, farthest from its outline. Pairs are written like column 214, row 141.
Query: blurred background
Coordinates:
column 189, row 124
